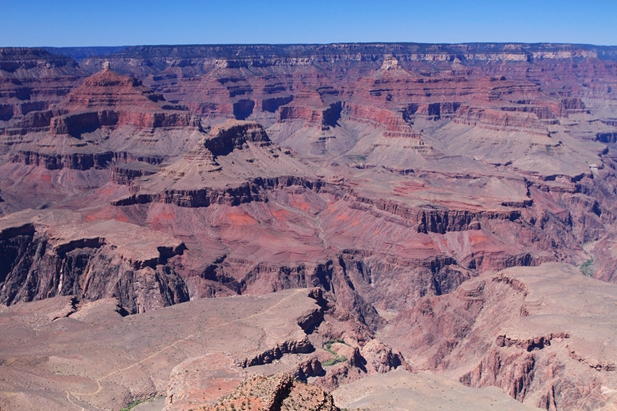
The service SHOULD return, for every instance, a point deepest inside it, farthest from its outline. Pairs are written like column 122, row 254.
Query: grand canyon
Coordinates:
column 320, row 227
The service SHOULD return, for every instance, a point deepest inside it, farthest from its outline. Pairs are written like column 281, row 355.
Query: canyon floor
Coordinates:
column 93, row 358
column 359, row 226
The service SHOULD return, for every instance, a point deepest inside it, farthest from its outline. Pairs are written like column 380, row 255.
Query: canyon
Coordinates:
column 355, row 216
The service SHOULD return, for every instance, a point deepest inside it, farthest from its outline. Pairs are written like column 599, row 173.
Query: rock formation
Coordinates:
column 47, row 254
column 94, row 355
column 388, row 176
column 276, row 392
column 542, row 334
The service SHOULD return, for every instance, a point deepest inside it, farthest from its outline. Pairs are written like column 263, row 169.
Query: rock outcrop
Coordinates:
column 54, row 254
column 541, row 334
column 95, row 355
column 276, row 392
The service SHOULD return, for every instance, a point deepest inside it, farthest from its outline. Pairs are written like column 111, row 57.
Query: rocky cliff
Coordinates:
column 55, row 254
column 389, row 176
column 523, row 330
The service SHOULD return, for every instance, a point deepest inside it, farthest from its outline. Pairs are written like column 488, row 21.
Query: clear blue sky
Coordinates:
column 135, row 22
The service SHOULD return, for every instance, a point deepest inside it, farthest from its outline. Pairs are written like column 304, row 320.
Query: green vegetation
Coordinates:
column 328, row 346
column 131, row 405
column 333, row 361
column 337, row 359
column 586, row 267
column 137, row 402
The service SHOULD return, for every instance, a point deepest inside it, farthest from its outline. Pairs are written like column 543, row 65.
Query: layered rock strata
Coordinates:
column 389, row 176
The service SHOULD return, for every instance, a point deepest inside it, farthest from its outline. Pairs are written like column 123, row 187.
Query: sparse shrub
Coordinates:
column 131, row 405
column 586, row 267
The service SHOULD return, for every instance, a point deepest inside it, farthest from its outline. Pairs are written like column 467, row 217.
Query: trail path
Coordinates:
column 78, row 395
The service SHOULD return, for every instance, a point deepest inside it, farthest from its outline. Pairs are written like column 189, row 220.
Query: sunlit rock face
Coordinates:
column 396, row 179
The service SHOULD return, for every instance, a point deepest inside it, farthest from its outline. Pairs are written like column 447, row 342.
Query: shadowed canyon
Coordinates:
column 359, row 226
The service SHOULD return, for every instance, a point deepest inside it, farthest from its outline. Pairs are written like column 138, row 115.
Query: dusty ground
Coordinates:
column 401, row 390
column 94, row 358
column 154, row 405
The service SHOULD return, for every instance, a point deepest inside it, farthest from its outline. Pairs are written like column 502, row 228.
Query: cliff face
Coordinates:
column 33, row 80
column 105, row 99
column 446, row 122
column 511, row 330
column 276, row 392
column 55, row 254
column 386, row 175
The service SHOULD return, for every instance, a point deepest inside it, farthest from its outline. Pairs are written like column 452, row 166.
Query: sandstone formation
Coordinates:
column 543, row 334
column 46, row 254
column 96, row 356
column 388, row 176
column 401, row 390
column 276, row 392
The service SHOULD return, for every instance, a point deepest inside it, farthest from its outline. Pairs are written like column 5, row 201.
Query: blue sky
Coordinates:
column 113, row 22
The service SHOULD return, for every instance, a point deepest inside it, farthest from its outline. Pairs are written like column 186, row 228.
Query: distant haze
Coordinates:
column 113, row 23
